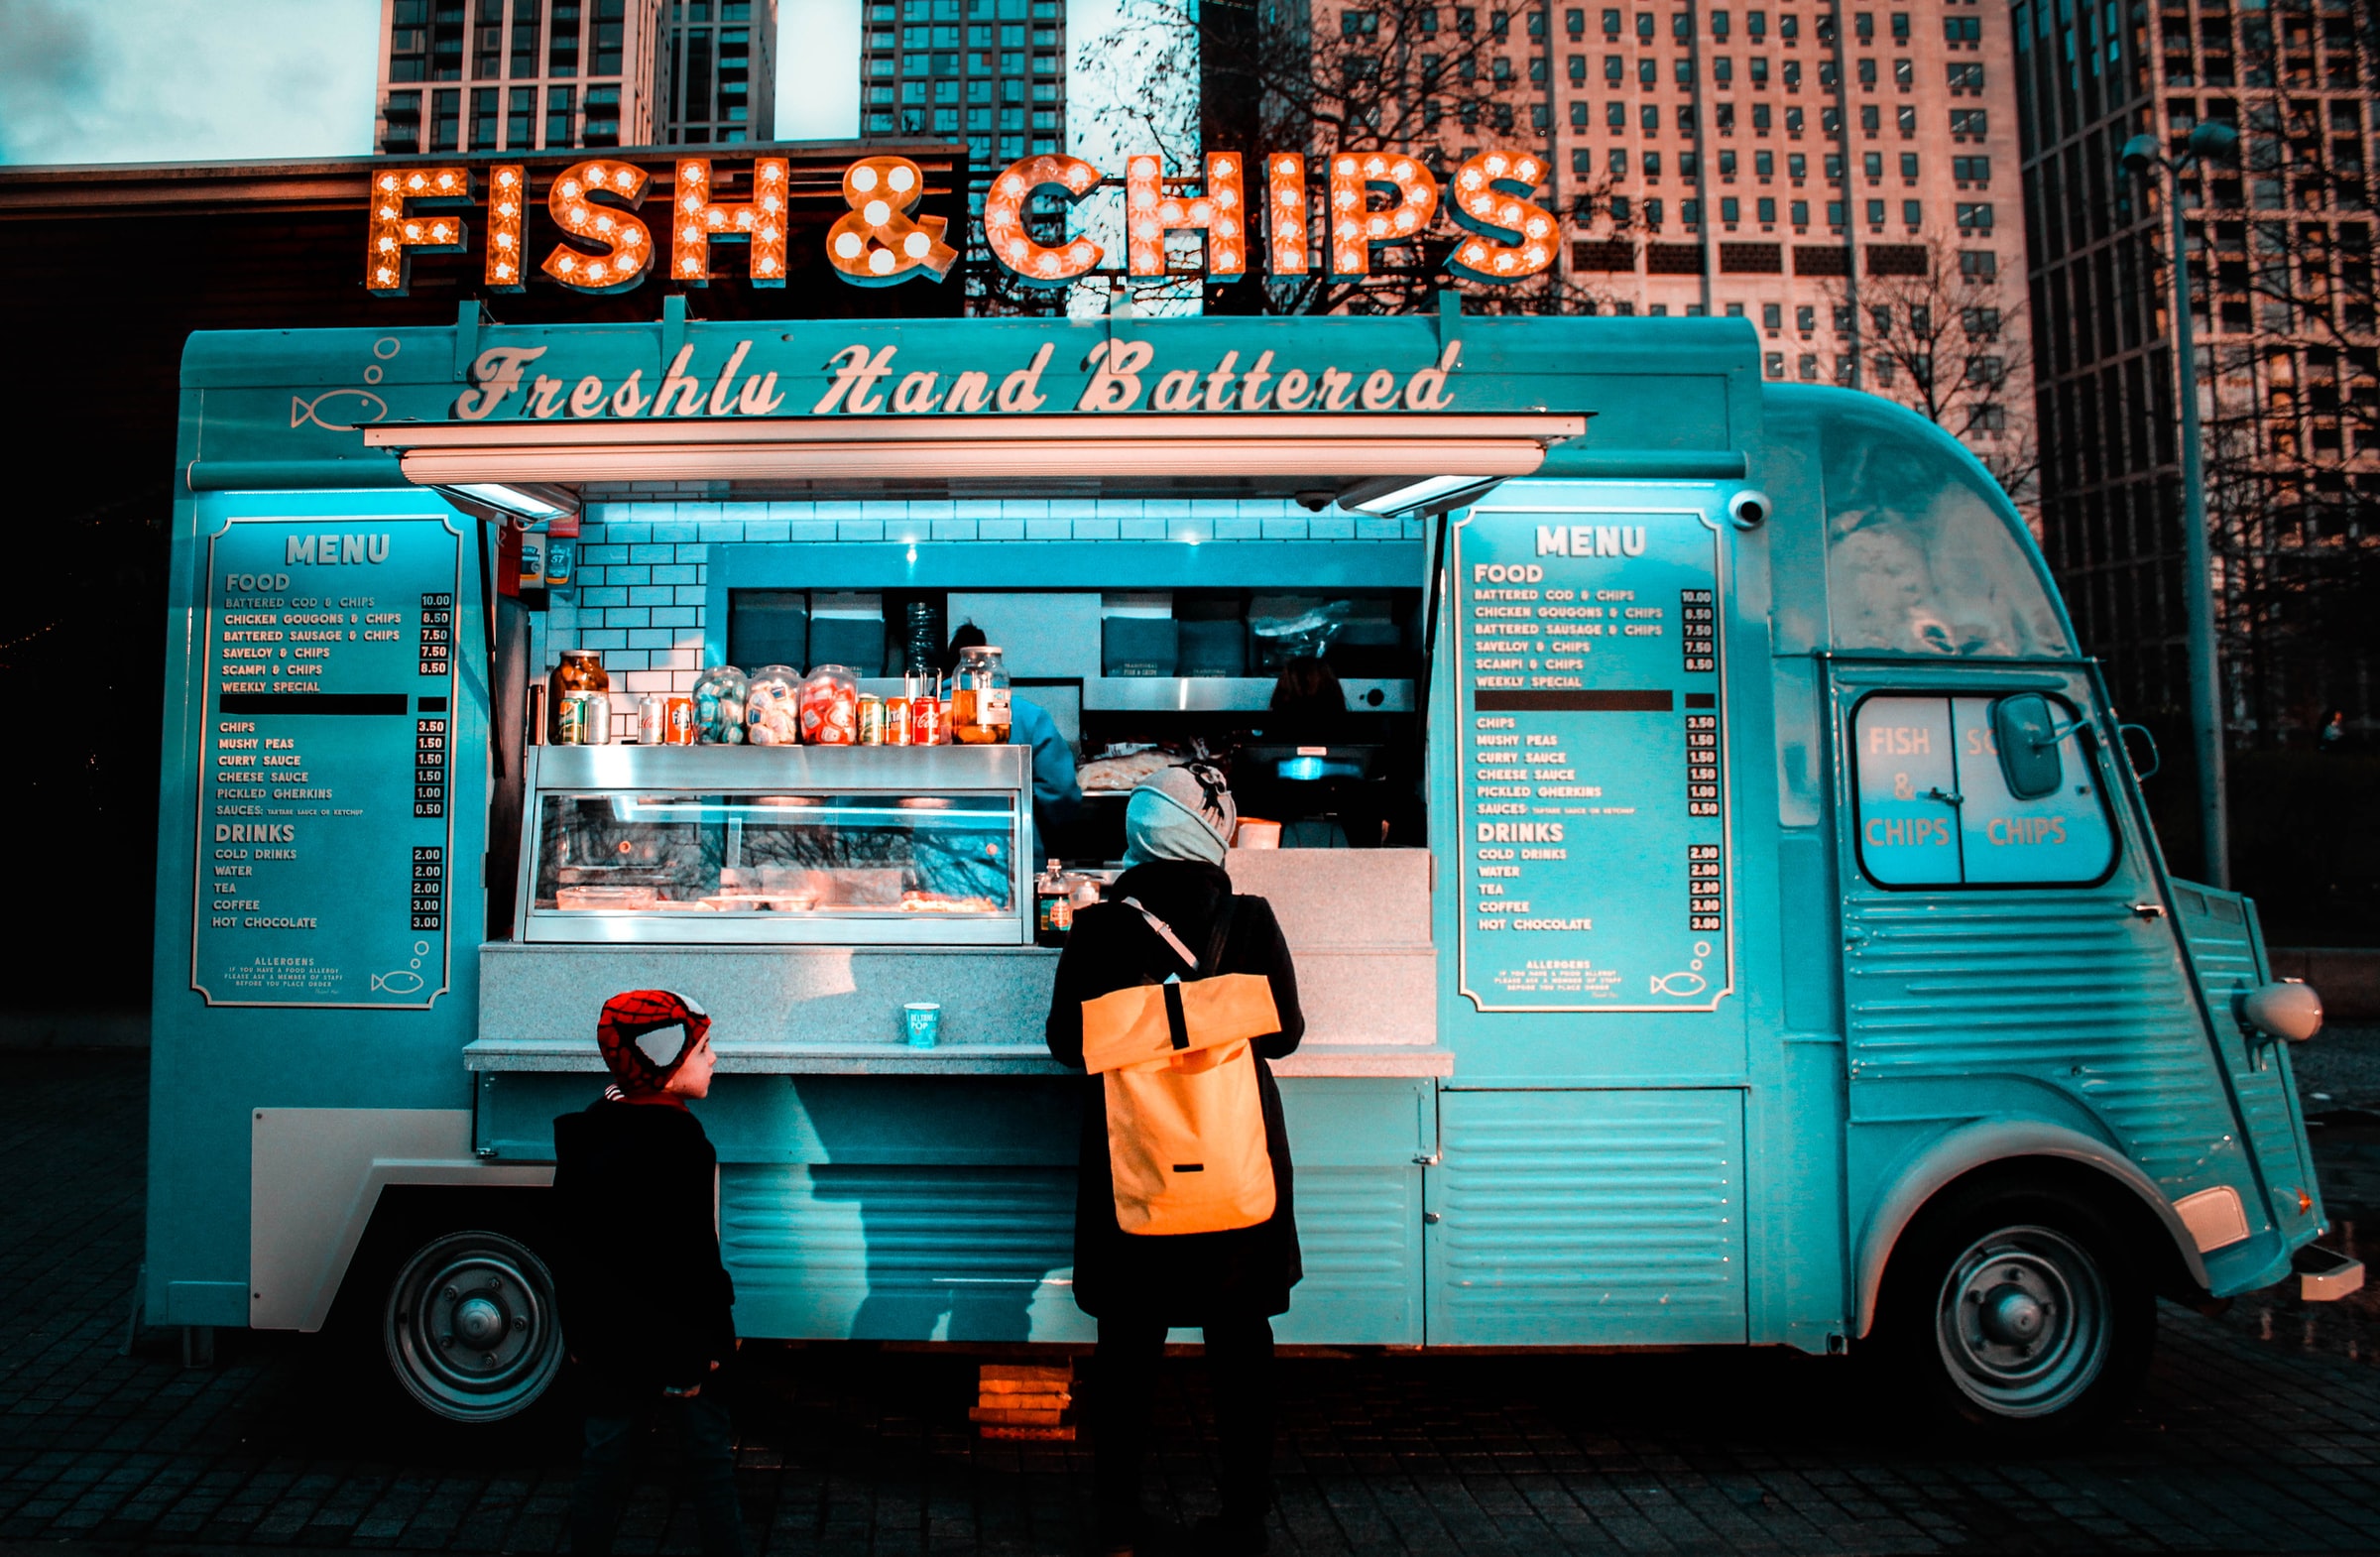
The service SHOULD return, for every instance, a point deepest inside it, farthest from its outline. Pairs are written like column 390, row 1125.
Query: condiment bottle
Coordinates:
column 1053, row 907
column 979, row 700
column 580, row 701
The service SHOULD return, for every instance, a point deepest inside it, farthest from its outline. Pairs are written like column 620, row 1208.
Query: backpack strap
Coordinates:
column 1217, row 939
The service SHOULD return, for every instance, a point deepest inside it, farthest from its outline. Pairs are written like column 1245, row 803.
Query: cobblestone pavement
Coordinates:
column 2256, row 1433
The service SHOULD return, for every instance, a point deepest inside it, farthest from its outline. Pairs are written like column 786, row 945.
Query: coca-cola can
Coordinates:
column 653, row 719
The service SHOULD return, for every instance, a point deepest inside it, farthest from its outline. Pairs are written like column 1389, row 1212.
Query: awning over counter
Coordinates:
column 1318, row 452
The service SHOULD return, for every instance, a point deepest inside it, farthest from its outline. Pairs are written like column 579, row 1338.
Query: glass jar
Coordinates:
column 979, row 699
column 772, row 706
column 830, row 706
column 578, row 701
column 719, row 697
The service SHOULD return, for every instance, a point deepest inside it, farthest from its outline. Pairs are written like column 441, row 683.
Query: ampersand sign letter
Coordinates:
column 877, row 243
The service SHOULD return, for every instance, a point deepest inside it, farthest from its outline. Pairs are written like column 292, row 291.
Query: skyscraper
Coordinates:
column 2282, row 299
column 1780, row 163
column 992, row 70
column 718, row 71
column 515, row 75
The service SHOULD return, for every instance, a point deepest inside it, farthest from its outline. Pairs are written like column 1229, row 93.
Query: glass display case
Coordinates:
column 872, row 845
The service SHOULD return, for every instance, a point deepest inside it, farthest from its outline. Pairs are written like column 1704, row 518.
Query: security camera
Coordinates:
column 1749, row 509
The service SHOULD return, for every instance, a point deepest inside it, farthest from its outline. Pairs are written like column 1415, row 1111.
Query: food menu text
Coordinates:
column 326, row 763
column 1595, row 870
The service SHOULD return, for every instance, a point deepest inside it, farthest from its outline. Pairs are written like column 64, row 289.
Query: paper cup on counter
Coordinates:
column 1257, row 833
column 922, row 1023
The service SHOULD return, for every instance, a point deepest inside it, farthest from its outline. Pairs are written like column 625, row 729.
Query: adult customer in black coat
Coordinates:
column 647, row 1306
column 1228, row 1284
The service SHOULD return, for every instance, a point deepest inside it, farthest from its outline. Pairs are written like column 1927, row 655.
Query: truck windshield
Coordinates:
column 1923, row 554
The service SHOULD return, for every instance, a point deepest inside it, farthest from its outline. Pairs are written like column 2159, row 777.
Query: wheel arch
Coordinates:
column 322, row 1180
column 2013, row 1147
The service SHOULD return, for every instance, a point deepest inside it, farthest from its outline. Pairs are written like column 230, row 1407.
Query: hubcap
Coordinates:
column 2023, row 1322
column 470, row 1327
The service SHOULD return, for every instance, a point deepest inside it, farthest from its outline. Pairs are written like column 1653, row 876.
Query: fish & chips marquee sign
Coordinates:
column 1370, row 199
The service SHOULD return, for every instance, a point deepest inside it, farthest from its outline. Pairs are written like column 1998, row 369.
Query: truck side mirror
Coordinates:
column 2026, row 732
column 2154, row 759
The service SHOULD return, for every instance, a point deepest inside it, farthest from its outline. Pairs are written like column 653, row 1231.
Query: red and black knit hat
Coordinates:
column 639, row 1048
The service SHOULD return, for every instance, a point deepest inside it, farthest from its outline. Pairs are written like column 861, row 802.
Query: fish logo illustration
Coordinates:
column 402, row 981
column 338, row 411
column 1679, row 983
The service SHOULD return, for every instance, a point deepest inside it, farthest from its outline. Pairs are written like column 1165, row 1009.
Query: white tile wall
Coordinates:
column 644, row 557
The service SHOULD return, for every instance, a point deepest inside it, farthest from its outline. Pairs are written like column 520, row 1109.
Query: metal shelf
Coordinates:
column 1199, row 694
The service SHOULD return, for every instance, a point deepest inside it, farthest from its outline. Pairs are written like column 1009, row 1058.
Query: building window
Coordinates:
column 408, row 42
column 1835, row 214
column 1774, row 364
column 1905, row 117
column 1875, row 213
column 1730, row 210
column 1966, row 78
column 1772, row 316
column 445, row 122
column 1578, row 115
column 561, row 116
column 561, row 45
column 1904, row 74
column 1971, row 169
column 486, row 125
column 1868, row 73
column 1913, row 213
column 1976, row 218
column 404, row 128
column 1909, row 165
column 1968, row 121
column 1767, row 208
column 1798, row 212
column 603, row 116
column 1980, row 264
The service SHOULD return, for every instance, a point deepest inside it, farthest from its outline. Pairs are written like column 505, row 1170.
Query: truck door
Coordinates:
column 2007, row 957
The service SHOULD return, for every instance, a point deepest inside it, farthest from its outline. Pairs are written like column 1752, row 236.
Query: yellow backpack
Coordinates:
column 1186, row 1144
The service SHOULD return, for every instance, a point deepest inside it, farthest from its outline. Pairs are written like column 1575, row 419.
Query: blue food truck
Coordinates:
column 1737, row 921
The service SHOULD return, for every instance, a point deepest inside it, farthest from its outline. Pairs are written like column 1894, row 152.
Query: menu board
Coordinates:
column 1594, row 837
column 325, row 833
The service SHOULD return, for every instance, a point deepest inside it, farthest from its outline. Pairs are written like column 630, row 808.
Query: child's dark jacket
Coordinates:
column 644, row 1295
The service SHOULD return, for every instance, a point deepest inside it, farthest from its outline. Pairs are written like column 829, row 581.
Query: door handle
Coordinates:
column 2149, row 910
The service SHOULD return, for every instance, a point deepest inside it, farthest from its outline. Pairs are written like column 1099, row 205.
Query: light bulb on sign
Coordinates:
column 710, row 221
column 393, row 232
column 1286, row 178
column 1356, row 227
column 614, row 226
column 870, row 244
column 503, row 270
column 1494, row 199
column 1003, row 218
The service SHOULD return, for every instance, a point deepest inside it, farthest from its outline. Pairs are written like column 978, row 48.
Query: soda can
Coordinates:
column 653, row 719
column 897, row 722
column 678, row 725
column 929, row 725
column 871, row 719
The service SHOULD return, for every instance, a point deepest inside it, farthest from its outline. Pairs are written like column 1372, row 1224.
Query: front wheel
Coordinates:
column 470, row 1327
column 2018, row 1313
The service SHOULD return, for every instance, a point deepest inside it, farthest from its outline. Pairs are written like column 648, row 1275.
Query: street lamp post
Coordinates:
column 2210, row 141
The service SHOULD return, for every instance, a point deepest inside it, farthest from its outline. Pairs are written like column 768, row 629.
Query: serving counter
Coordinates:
column 1356, row 922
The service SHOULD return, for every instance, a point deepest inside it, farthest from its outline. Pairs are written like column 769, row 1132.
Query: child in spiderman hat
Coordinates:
column 645, row 1303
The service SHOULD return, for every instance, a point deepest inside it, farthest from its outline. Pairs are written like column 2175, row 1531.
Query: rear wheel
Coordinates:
column 2017, row 1312
column 470, row 1327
